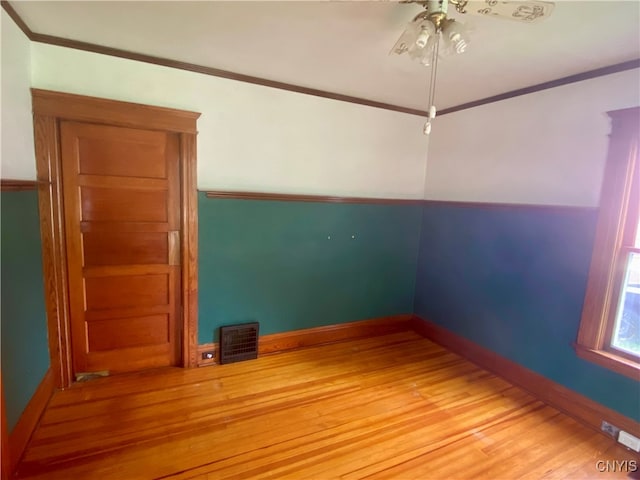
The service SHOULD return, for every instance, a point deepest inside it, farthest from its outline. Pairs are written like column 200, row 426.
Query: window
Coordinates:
column 610, row 327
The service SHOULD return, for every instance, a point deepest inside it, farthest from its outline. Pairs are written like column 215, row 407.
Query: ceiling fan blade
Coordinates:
column 527, row 11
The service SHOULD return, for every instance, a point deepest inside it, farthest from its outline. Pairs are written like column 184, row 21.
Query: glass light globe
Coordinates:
column 426, row 34
column 417, row 40
column 456, row 38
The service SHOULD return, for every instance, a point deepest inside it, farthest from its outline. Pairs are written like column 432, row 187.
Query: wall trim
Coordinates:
column 22, row 431
column 49, row 108
column 82, row 108
column 10, row 185
column 508, row 206
column 216, row 72
column 189, row 226
column 558, row 82
column 288, row 197
column 577, row 406
column 17, row 19
column 291, row 197
column 308, row 337
column 54, row 258
column 192, row 67
column 6, row 469
column 614, row 234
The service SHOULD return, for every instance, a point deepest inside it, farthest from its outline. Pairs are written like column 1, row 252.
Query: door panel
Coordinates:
column 122, row 212
column 118, row 291
column 125, row 248
column 115, row 204
column 100, row 157
column 147, row 330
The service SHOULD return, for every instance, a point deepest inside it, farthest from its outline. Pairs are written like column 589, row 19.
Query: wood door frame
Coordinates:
column 49, row 109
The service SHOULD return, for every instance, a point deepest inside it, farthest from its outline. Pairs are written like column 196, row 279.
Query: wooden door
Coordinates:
column 121, row 190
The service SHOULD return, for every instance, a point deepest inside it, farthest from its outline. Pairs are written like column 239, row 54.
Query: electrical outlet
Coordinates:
column 629, row 441
column 208, row 355
column 609, row 429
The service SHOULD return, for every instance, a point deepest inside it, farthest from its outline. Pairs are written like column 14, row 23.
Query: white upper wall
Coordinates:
column 255, row 138
column 548, row 147
column 18, row 160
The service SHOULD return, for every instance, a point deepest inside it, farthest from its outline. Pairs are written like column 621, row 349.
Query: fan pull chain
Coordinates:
column 432, row 86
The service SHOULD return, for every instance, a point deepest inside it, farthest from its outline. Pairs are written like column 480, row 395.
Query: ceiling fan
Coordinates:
column 422, row 38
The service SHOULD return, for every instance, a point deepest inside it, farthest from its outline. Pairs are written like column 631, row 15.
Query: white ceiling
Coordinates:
column 342, row 47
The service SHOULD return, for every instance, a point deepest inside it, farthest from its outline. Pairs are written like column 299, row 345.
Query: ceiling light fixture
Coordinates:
column 422, row 37
column 431, row 32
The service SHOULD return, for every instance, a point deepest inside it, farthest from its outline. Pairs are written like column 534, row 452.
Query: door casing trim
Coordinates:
column 49, row 109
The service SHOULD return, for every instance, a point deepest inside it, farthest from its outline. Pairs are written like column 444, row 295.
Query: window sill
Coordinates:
column 610, row 360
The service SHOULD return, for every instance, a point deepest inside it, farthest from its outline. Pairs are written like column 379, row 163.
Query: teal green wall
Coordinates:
column 25, row 352
column 272, row 262
column 513, row 280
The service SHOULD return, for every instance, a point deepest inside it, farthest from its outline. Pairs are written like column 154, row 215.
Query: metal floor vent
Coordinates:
column 239, row 342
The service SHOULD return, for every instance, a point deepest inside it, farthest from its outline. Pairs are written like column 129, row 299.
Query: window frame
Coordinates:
column 617, row 220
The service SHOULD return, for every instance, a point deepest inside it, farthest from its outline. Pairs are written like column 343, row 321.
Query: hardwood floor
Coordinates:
column 396, row 406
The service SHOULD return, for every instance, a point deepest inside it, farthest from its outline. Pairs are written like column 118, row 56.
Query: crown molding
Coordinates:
column 216, row 72
column 578, row 77
column 17, row 19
